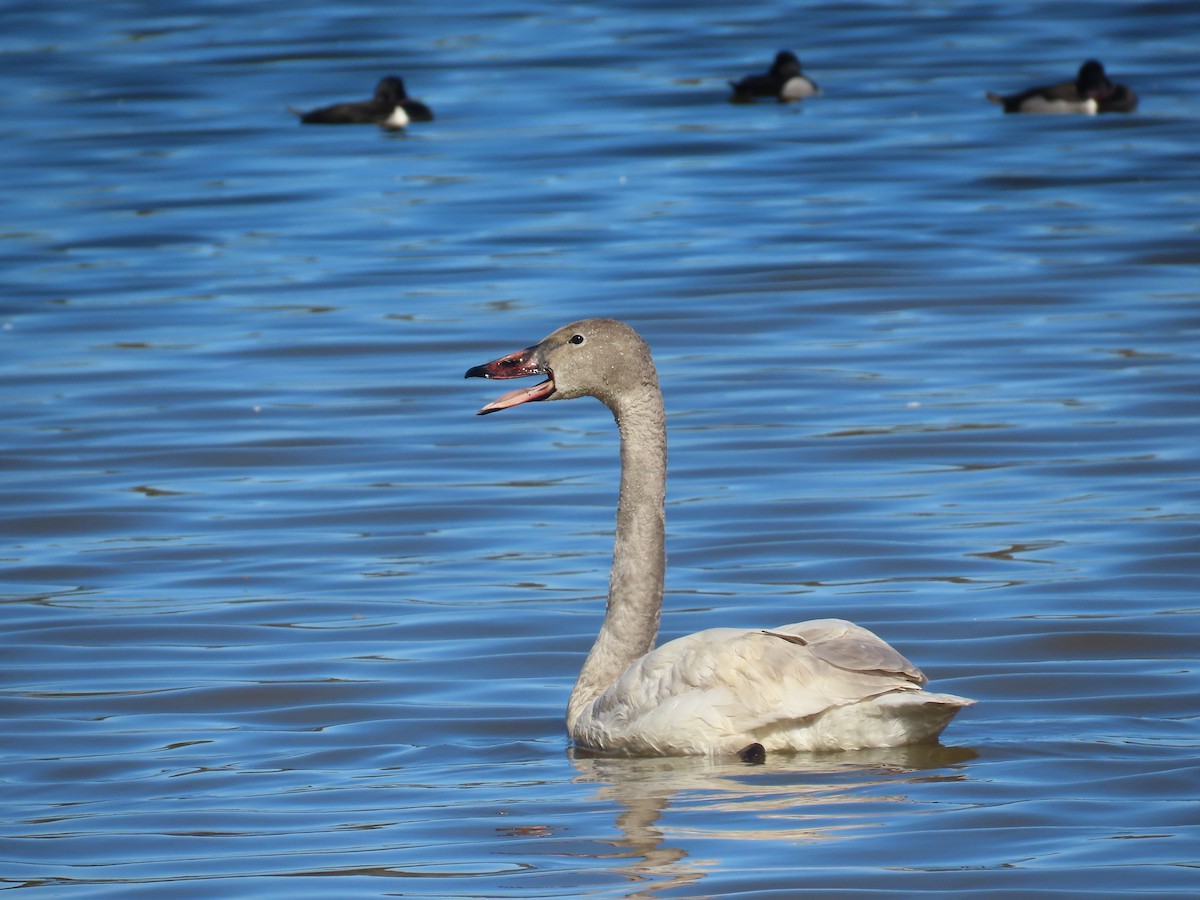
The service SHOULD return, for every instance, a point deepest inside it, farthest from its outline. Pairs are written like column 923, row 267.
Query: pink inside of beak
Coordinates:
column 519, row 396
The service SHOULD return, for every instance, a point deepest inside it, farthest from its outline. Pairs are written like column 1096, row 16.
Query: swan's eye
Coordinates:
column 577, row 339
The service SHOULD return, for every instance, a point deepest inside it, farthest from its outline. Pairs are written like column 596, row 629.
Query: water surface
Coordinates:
column 282, row 616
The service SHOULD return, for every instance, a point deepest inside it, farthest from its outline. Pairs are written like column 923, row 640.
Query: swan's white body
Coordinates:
column 721, row 690
column 820, row 685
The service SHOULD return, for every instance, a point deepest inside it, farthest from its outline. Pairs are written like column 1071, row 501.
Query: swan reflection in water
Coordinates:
column 665, row 804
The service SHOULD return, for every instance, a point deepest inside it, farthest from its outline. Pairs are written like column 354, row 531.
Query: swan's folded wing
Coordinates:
column 732, row 681
column 851, row 647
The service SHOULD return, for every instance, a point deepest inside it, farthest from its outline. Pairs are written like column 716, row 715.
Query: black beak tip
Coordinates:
column 476, row 372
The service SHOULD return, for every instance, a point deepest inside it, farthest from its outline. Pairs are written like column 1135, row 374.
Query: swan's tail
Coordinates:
column 923, row 715
column 894, row 719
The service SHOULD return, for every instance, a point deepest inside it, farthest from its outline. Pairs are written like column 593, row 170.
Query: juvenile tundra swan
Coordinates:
column 821, row 685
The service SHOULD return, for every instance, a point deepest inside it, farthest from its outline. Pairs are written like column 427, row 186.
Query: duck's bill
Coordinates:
column 515, row 365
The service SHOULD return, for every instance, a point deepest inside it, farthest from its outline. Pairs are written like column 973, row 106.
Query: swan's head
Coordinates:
column 600, row 358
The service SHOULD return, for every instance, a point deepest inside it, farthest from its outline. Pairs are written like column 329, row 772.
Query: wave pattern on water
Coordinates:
column 279, row 614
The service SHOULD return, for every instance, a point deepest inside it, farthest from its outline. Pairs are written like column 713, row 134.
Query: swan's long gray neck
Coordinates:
column 635, row 587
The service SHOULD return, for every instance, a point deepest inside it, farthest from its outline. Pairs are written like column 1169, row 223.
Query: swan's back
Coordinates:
column 827, row 684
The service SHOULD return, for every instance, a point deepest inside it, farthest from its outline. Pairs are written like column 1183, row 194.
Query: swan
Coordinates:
column 821, row 685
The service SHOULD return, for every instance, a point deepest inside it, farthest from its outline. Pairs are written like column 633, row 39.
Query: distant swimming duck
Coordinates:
column 1091, row 92
column 784, row 82
column 391, row 107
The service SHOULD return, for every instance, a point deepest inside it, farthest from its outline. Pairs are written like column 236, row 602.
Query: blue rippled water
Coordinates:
column 282, row 617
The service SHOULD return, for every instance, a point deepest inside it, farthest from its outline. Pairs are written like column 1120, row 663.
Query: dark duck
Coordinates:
column 1091, row 92
column 784, row 81
column 391, row 107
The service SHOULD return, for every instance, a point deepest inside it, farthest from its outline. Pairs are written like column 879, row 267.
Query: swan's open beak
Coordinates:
column 515, row 365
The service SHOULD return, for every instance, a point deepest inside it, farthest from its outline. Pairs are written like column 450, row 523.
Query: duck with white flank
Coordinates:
column 391, row 107
column 1091, row 92
column 784, row 81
